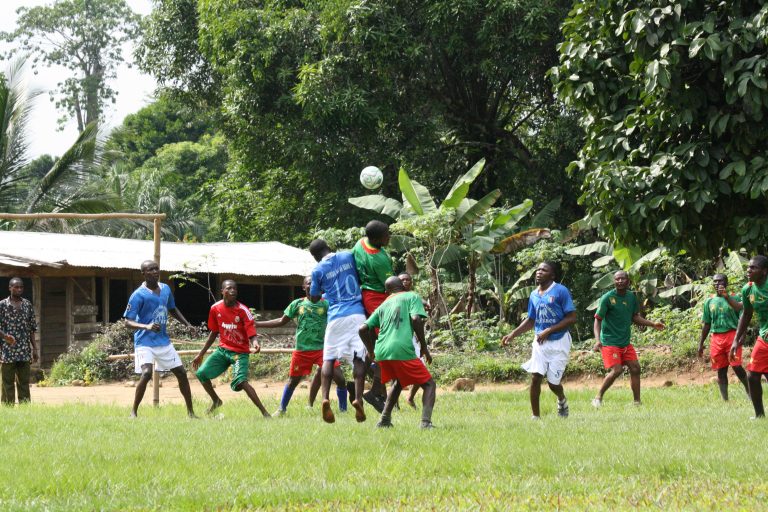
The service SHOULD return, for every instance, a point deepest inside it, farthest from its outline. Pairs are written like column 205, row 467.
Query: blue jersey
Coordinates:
column 147, row 307
column 336, row 277
column 550, row 308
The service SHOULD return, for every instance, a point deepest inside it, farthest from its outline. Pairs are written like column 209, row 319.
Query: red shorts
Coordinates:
column 759, row 362
column 720, row 350
column 618, row 355
column 302, row 362
column 404, row 372
column 372, row 300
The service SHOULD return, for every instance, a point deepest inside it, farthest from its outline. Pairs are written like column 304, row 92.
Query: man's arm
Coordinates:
column 33, row 346
column 596, row 328
column 199, row 357
column 368, row 336
column 255, row 344
column 705, row 327
column 525, row 325
column 275, row 322
column 178, row 316
column 741, row 330
column 563, row 324
column 417, row 323
column 144, row 327
column 639, row 320
column 735, row 305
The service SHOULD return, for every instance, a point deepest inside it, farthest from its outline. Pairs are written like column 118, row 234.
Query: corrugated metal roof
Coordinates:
column 24, row 249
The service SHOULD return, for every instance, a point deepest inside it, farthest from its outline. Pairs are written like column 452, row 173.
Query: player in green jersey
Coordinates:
column 399, row 318
column 310, row 318
column 617, row 311
column 754, row 297
column 721, row 317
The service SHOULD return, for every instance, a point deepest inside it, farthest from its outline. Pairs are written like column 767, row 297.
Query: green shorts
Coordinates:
column 218, row 362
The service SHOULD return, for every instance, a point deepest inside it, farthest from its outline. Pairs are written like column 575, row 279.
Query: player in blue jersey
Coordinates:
column 335, row 277
column 147, row 312
column 550, row 313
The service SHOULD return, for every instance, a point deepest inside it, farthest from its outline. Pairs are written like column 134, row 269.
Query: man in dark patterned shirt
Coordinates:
column 17, row 348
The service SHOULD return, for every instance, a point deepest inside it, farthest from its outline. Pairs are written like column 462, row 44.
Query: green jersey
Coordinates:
column 373, row 265
column 756, row 297
column 616, row 312
column 393, row 317
column 720, row 315
column 310, row 318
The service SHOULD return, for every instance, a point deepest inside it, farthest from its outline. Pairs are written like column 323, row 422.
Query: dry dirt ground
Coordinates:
column 122, row 393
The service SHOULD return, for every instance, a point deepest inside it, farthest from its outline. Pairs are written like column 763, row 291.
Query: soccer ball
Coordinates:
column 371, row 177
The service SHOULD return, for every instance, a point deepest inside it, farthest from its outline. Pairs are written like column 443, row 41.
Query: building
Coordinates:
column 78, row 283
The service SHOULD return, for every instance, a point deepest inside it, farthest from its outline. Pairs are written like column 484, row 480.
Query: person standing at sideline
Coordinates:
column 17, row 348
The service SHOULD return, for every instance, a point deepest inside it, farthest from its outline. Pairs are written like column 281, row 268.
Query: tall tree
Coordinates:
column 85, row 37
column 673, row 95
column 314, row 91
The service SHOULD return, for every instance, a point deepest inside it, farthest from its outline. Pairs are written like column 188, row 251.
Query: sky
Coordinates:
column 134, row 88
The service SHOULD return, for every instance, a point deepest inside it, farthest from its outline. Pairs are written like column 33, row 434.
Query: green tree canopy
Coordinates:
column 85, row 37
column 673, row 96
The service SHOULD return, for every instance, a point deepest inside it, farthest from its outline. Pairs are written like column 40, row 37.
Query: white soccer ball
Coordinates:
column 371, row 177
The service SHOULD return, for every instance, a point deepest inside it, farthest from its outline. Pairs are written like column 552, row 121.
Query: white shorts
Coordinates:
column 342, row 340
column 550, row 358
column 165, row 356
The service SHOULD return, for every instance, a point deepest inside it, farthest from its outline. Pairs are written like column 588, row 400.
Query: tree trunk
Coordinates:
column 472, row 284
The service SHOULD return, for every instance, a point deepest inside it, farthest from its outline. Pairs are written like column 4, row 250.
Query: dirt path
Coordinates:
column 122, row 393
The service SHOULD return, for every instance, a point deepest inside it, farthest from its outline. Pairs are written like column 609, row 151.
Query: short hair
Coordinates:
column 146, row 263
column 376, row 229
column 621, row 272
column 16, row 280
column 555, row 267
column 224, row 283
column 405, row 274
column 761, row 261
column 720, row 276
column 318, row 248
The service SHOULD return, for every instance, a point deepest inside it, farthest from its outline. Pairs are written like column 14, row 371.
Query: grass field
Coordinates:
column 683, row 449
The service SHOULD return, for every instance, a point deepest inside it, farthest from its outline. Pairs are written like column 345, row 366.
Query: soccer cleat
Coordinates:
column 426, row 425
column 278, row 413
column 562, row 408
column 597, row 403
column 328, row 412
column 384, row 423
column 359, row 412
column 374, row 400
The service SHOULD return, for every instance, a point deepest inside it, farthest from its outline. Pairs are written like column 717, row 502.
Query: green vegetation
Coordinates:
column 683, row 449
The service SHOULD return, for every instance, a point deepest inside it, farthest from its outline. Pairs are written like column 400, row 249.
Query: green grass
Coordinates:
column 683, row 449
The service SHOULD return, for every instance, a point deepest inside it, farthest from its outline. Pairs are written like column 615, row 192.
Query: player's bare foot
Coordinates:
column 215, row 405
column 191, row 415
column 328, row 412
column 359, row 411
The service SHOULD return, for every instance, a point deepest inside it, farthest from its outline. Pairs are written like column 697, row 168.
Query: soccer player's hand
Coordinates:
column 154, row 326
column 543, row 335
column 196, row 362
column 10, row 339
column 506, row 339
column 722, row 291
column 597, row 347
column 732, row 355
column 659, row 326
column 428, row 357
column 35, row 357
column 256, row 348
column 701, row 351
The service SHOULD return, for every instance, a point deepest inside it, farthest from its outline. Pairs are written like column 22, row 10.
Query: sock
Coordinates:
column 341, row 394
column 287, row 394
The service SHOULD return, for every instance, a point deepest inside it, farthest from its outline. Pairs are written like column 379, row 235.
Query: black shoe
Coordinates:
column 384, row 423
column 426, row 425
column 374, row 400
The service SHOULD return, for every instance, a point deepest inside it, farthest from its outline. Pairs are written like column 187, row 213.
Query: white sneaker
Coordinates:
column 278, row 413
column 597, row 403
column 536, row 418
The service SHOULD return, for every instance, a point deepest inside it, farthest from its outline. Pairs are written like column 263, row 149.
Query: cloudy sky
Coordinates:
column 134, row 88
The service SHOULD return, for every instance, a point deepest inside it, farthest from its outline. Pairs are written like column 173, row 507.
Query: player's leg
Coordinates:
column 314, row 386
column 722, row 382
column 341, row 388
column 22, row 381
column 562, row 402
column 634, row 379
column 184, row 388
column 246, row 386
column 412, row 395
column 756, row 392
column 614, row 372
column 427, row 402
column 141, row 387
column 213, row 366
column 742, row 376
column 535, row 393
column 8, row 373
column 358, row 374
column 386, row 414
column 288, row 390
